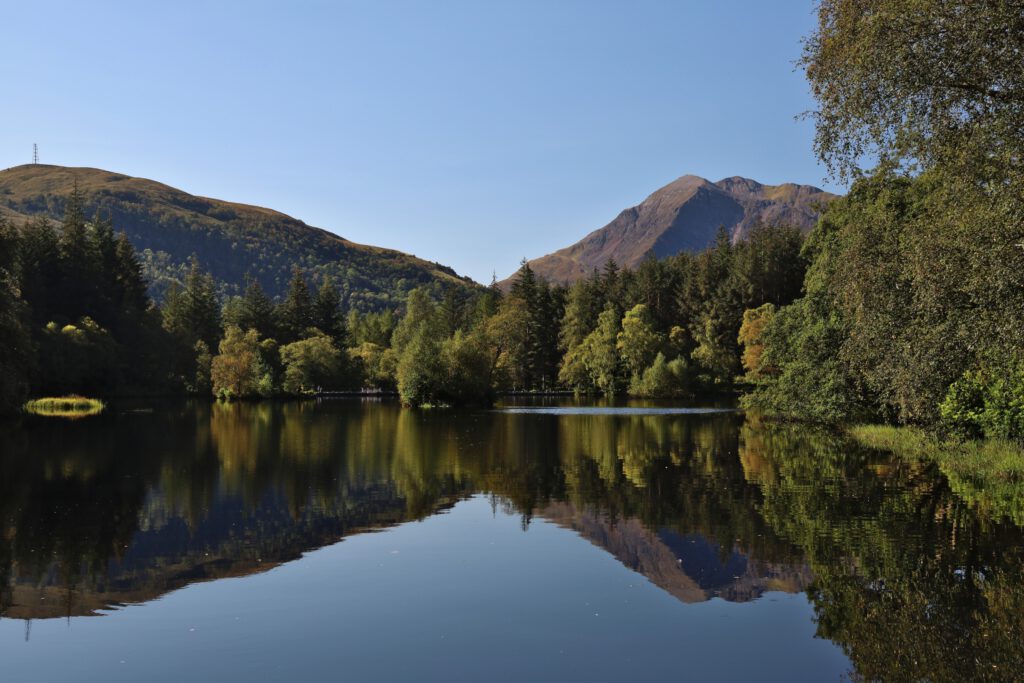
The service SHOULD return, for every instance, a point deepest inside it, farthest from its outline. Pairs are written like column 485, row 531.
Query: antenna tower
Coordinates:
column 35, row 153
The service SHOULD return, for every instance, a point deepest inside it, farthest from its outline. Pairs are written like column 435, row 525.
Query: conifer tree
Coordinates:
column 327, row 313
column 191, row 314
column 130, row 280
column 202, row 307
column 296, row 312
column 39, row 264
column 78, row 260
column 14, row 337
column 105, row 298
column 257, row 311
column 420, row 312
column 451, row 311
column 581, row 311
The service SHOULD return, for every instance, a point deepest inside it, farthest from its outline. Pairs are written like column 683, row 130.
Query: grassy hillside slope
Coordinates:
column 167, row 226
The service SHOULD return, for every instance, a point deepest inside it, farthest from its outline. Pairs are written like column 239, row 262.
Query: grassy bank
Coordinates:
column 65, row 406
column 988, row 474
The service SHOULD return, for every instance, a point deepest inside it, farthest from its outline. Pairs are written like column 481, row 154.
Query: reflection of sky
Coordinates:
column 459, row 596
column 583, row 410
column 701, row 559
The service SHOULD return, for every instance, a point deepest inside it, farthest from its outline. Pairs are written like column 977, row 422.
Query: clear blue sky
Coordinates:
column 470, row 133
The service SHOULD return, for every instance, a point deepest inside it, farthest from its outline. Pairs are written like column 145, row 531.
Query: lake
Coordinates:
column 354, row 540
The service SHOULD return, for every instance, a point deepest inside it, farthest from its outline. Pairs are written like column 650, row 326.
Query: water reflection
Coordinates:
column 903, row 574
column 910, row 579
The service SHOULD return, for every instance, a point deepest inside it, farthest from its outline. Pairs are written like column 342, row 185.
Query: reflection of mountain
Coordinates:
column 232, row 540
column 689, row 567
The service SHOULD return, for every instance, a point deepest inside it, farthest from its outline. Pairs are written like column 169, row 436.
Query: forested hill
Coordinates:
column 684, row 216
column 232, row 241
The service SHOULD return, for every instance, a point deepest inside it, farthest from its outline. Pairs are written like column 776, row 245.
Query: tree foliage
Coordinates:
column 755, row 320
column 238, row 371
column 15, row 350
column 926, row 83
column 313, row 363
column 917, row 281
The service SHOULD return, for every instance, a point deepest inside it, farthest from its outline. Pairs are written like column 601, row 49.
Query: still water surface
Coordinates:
column 356, row 541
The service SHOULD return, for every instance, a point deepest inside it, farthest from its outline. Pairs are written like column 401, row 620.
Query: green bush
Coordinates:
column 662, row 379
column 986, row 402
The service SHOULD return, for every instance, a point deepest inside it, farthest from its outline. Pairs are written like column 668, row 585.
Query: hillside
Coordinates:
column 684, row 216
column 167, row 226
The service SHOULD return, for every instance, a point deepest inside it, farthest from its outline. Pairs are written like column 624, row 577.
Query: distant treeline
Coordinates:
column 77, row 319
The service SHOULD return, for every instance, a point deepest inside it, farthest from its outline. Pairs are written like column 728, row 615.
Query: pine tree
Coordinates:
column 526, row 289
column 451, row 312
column 40, row 267
column 420, row 312
column 105, row 300
column 296, row 312
column 78, row 260
column 191, row 314
column 202, row 306
column 15, row 349
column 257, row 311
column 130, row 281
column 327, row 315
column 581, row 311
column 610, row 285
column 486, row 303
column 525, row 285
column 546, row 316
column 73, row 226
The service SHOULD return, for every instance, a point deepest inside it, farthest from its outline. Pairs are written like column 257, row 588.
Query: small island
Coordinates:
column 70, row 407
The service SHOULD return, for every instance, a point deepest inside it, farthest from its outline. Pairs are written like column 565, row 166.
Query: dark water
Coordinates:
column 356, row 541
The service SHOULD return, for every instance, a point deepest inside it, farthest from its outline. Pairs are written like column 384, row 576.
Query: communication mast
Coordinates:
column 35, row 154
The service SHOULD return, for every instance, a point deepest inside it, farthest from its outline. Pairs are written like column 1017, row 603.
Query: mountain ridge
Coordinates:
column 232, row 240
column 683, row 215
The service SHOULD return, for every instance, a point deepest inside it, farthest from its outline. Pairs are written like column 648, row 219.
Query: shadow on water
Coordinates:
column 902, row 574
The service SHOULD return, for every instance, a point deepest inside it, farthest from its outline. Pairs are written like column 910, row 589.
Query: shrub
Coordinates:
column 662, row 379
column 986, row 402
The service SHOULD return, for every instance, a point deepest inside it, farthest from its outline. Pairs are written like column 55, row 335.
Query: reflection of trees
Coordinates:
column 67, row 503
column 909, row 581
column 670, row 472
column 118, row 503
column 908, row 577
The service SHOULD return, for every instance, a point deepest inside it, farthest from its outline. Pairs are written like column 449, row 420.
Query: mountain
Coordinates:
column 685, row 215
column 167, row 226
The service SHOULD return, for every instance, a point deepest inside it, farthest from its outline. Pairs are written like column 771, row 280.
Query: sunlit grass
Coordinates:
column 987, row 473
column 70, row 407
